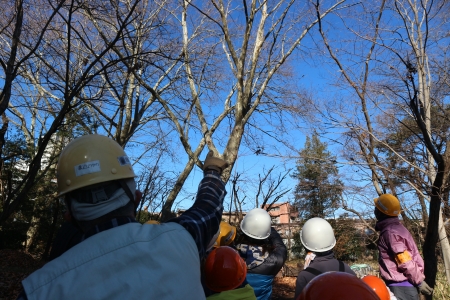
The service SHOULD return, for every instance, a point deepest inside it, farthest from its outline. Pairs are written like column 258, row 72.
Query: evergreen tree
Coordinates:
column 319, row 189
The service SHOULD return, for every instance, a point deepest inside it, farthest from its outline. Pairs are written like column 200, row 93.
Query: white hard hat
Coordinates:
column 256, row 224
column 317, row 235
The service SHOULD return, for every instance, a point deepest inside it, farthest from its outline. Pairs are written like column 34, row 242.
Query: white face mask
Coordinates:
column 102, row 204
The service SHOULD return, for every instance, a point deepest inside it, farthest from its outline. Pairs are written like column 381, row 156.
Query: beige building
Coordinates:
column 282, row 213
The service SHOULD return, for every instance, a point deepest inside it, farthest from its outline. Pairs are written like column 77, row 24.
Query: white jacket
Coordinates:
column 132, row 261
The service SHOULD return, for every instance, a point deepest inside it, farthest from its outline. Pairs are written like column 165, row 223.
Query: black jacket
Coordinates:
column 322, row 263
column 275, row 261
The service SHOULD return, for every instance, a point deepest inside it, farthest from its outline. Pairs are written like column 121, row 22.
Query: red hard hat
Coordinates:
column 337, row 285
column 378, row 286
column 224, row 269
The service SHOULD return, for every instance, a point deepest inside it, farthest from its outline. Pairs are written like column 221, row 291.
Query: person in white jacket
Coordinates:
column 117, row 257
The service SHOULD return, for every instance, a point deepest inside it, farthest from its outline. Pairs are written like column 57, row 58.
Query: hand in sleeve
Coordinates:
column 409, row 268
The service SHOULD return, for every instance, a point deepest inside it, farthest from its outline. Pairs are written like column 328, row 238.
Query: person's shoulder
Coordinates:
column 306, row 273
column 166, row 227
column 396, row 227
column 323, row 263
column 390, row 225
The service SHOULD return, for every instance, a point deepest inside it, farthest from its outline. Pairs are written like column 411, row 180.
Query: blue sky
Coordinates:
column 309, row 72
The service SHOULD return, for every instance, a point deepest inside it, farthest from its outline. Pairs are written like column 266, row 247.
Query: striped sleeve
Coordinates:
column 202, row 220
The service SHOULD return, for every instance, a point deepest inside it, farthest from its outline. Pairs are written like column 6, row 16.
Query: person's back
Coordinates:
column 391, row 227
column 401, row 265
column 128, row 260
column 318, row 238
column 263, row 250
column 117, row 257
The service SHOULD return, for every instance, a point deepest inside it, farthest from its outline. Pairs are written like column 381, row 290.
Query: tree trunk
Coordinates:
column 445, row 246
column 48, row 246
column 32, row 230
column 432, row 235
column 166, row 212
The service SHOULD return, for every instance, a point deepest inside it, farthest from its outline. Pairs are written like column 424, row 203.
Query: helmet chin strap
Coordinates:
column 127, row 190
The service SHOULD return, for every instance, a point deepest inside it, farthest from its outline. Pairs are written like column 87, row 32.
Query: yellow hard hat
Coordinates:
column 89, row 160
column 388, row 204
column 152, row 222
column 226, row 235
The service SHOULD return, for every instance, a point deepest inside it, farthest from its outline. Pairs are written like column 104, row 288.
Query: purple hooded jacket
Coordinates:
column 395, row 238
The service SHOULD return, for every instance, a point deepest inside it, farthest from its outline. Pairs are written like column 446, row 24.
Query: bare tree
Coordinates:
column 59, row 74
column 155, row 185
column 418, row 84
column 148, row 54
column 237, row 198
column 16, row 50
column 391, row 81
column 268, row 189
column 255, row 39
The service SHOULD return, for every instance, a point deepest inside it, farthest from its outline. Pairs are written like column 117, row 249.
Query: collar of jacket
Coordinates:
column 326, row 256
column 386, row 222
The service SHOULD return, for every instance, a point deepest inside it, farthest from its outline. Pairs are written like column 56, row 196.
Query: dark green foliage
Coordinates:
column 297, row 248
column 319, row 189
column 350, row 244
column 40, row 210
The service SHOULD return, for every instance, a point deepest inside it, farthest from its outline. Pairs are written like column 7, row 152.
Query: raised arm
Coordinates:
column 202, row 220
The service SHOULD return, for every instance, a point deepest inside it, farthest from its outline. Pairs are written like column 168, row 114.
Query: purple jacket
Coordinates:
column 395, row 238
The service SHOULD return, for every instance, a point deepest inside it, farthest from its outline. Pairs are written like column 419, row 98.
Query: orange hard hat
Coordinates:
column 388, row 204
column 378, row 286
column 337, row 285
column 224, row 269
